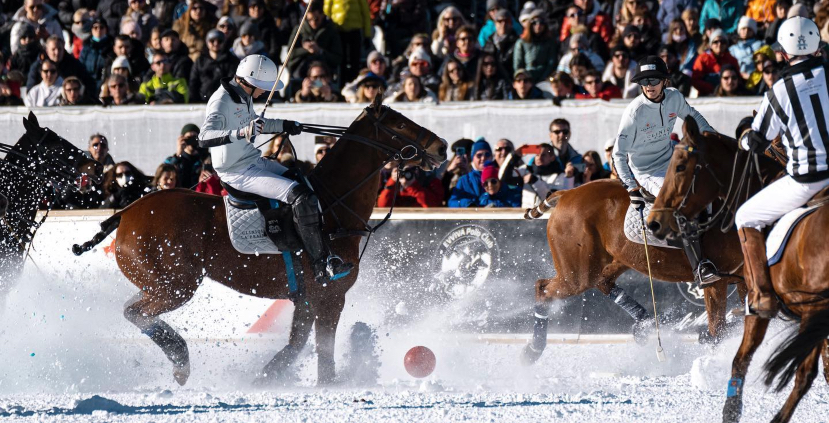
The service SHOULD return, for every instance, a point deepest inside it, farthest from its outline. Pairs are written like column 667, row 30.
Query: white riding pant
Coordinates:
column 652, row 183
column 262, row 177
column 775, row 200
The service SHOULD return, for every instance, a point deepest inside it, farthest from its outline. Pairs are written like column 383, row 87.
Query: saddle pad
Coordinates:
column 633, row 228
column 779, row 236
column 247, row 231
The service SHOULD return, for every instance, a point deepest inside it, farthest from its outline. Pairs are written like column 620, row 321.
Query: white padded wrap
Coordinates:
column 633, row 228
column 247, row 231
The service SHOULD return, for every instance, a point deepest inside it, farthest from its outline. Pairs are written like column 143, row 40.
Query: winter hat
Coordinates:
column 420, row 54
column 190, row 127
column 371, row 76
column 374, row 55
column 495, row 4
column 226, row 20
column 121, row 62
column 630, row 30
column 214, row 34
column 526, row 12
column 502, row 14
column 716, row 35
column 169, row 33
column 747, row 22
column 489, row 171
column 249, row 28
column 24, row 30
column 480, row 145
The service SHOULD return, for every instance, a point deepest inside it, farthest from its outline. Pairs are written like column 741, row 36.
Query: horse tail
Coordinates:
column 107, row 227
column 549, row 203
column 796, row 349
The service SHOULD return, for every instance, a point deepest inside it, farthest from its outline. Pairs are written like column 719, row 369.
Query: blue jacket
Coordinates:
column 94, row 57
column 727, row 11
column 743, row 51
column 467, row 191
column 508, row 196
column 489, row 29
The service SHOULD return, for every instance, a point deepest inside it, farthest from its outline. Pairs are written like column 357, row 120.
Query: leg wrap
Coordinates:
column 306, row 216
column 628, row 304
column 541, row 312
column 173, row 345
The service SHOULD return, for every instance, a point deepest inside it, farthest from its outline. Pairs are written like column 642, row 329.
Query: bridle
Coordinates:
column 411, row 149
column 729, row 205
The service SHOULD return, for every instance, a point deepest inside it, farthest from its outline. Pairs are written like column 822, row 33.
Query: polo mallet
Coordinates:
column 660, row 353
column 287, row 58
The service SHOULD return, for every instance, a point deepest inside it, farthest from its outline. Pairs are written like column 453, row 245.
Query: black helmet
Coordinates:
column 651, row 67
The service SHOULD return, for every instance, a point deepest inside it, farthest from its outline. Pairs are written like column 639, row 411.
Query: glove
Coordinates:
column 752, row 141
column 253, row 129
column 637, row 200
column 292, row 127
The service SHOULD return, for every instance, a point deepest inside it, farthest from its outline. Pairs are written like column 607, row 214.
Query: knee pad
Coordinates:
column 305, row 204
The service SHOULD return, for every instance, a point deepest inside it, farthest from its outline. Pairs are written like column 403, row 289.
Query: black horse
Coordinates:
column 39, row 168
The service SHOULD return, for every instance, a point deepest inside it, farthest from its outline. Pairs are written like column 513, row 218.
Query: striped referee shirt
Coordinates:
column 797, row 106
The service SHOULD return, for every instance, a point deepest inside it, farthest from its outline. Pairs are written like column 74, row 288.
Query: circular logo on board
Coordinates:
column 467, row 255
column 696, row 295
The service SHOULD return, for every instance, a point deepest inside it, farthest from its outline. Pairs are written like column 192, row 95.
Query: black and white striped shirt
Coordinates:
column 797, row 107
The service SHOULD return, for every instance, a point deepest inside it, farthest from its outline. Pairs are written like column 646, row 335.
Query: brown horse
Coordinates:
column 590, row 250
column 800, row 278
column 169, row 241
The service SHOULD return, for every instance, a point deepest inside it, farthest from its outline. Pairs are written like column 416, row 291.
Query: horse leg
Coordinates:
column 143, row 311
column 806, row 373
column 301, row 323
column 753, row 334
column 716, row 299
column 328, row 313
column 825, row 357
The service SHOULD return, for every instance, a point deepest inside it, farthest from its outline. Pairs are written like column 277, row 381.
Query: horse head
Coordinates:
column 52, row 157
column 411, row 143
column 690, row 182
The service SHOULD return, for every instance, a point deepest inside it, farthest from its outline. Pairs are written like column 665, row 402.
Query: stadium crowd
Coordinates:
column 115, row 52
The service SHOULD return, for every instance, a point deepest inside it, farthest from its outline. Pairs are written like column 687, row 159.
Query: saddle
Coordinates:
column 633, row 226
column 259, row 225
column 779, row 235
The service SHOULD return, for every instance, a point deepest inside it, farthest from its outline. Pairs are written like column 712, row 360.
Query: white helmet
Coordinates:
column 798, row 36
column 259, row 71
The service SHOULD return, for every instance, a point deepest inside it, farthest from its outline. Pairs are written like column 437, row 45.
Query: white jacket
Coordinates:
column 228, row 110
column 42, row 95
column 643, row 144
column 631, row 89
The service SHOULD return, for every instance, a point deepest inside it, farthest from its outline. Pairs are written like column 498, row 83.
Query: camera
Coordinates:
column 192, row 141
column 408, row 174
column 580, row 167
column 460, row 151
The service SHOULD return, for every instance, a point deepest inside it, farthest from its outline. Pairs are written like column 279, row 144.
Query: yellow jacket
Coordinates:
column 349, row 14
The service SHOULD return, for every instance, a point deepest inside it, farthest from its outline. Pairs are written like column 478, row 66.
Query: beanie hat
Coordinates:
column 747, row 22
column 480, row 145
column 489, row 171
column 121, row 62
column 190, row 127
column 376, row 55
column 420, row 54
column 215, row 34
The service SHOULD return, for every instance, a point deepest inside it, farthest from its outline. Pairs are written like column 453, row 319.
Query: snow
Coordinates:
column 69, row 355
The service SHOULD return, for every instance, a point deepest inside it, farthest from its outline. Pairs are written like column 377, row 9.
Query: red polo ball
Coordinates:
column 419, row 361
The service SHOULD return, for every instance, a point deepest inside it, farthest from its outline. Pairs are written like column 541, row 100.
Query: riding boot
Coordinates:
column 761, row 298
column 705, row 272
column 326, row 266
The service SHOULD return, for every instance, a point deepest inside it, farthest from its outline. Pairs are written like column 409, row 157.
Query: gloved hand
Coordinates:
column 637, row 200
column 753, row 142
column 292, row 127
column 254, row 128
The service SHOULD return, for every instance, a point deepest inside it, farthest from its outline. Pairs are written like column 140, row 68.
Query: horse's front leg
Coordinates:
column 755, row 331
column 328, row 311
column 301, row 323
column 716, row 299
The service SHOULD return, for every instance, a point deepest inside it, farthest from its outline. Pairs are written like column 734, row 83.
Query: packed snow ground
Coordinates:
column 69, row 355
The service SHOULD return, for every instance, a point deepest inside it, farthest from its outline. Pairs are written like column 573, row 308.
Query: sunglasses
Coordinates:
column 504, row 149
column 500, row 21
column 453, row 70
column 160, row 62
column 99, row 145
column 652, row 82
column 536, row 22
column 463, row 38
column 575, row 14
column 198, row 8
column 483, row 155
column 451, row 19
column 590, row 82
column 491, row 181
column 118, row 175
column 118, row 85
column 420, row 63
column 222, row 26
column 371, row 86
column 729, row 78
column 36, row 7
column 487, row 63
column 720, row 41
column 51, row 70
column 769, row 70
column 560, row 131
column 620, row 56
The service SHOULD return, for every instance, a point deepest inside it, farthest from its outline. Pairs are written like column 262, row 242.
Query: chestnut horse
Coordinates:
column 590, row 250
column 800, row 279
column 168, row 241
column 38, row 167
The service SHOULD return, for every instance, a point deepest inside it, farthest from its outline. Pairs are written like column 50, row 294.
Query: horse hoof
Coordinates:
column 705, row 338
column 641, row 330
column 733, row 410
column 529, row 355
column 181, row 373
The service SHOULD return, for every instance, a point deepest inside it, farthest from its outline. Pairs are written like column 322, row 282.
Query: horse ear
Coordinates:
column 377, row 102
column 33, row 119
column 691, row 129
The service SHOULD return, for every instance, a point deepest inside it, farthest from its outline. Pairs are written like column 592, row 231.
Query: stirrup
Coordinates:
column 336, row 268
column 706, row 273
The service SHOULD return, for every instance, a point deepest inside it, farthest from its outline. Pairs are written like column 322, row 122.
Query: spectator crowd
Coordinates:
column 125, row 52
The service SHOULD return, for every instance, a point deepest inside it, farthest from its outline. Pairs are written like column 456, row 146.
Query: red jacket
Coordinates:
column 706, row 74
column 414, row 196
column 601, row 25
column 211, row 186
column 608, row 91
